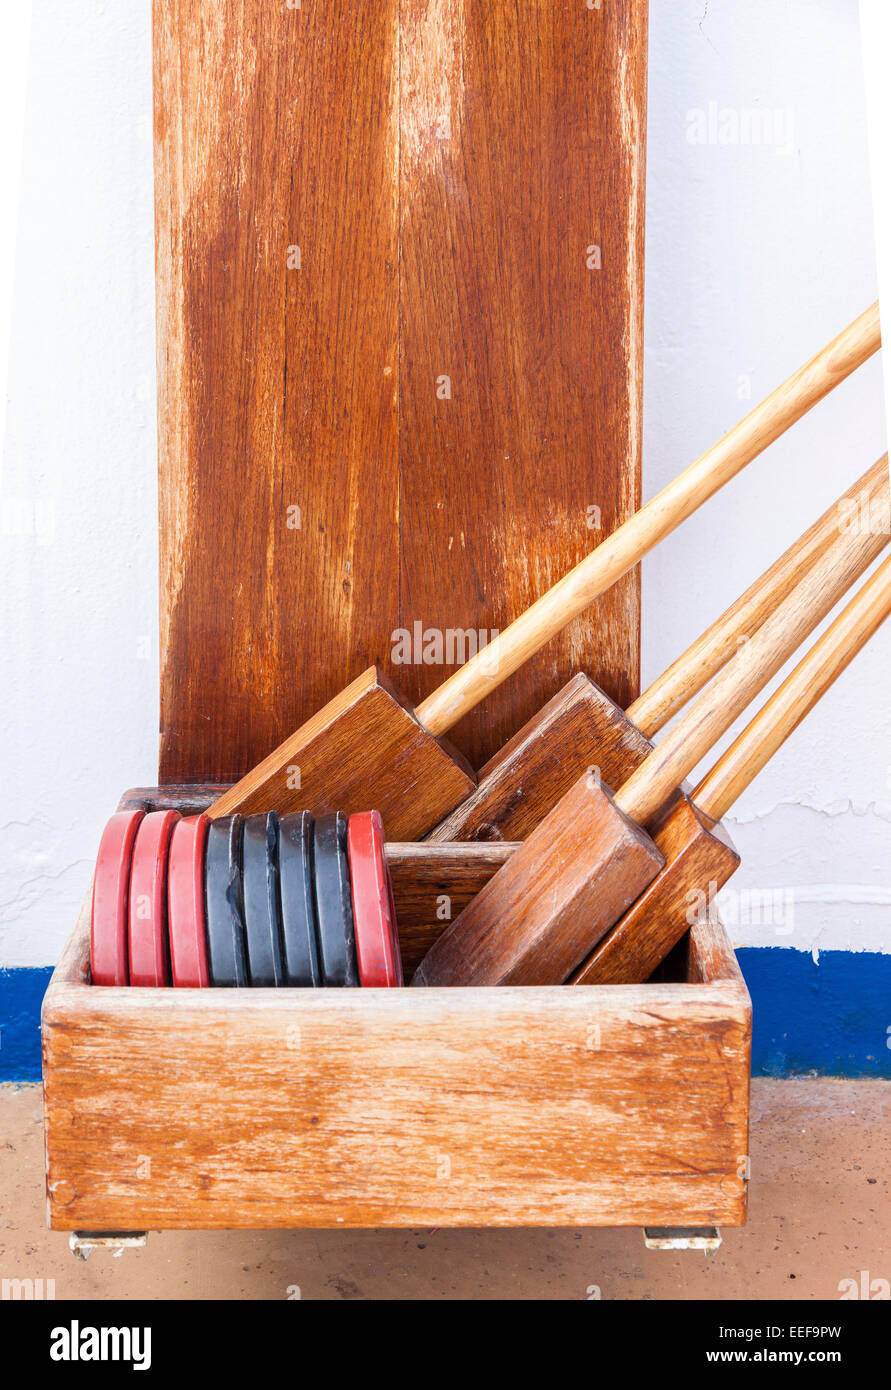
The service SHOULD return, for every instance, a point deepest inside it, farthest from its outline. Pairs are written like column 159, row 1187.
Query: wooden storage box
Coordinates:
column 587, row 1106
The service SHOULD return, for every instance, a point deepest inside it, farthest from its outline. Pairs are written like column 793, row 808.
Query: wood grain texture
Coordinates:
column 542, row 914
column 189, row 798
column 274, row 128
column 522, row 145
column 399, row 1108
column 432, row 884
column 580, row 727
column 699, row 859
column 282, row 388
column 363, row 751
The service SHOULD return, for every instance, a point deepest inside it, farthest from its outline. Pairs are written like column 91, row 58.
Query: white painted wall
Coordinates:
column 78, row 700
column 756, row 255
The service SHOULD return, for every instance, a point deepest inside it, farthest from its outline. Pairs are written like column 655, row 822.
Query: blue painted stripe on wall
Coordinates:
column 832, row 1017
column 21, row 995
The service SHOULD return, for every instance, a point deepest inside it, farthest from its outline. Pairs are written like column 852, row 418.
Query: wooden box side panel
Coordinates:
column 598, row 1106
column 511, row 1107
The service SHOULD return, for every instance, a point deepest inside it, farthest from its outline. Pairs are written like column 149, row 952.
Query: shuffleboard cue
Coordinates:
column 580, row 870
column 582, row 727
column 369, row 747
column 698, row 857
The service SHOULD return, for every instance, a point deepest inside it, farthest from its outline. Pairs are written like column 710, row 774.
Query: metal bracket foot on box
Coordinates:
column 83, row 1243
column 705, row 1238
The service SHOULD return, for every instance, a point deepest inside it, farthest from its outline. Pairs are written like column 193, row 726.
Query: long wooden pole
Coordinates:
column 627, row 545
column 774, row 723
column 754, row 665
column 795, row 698
column 693, row 670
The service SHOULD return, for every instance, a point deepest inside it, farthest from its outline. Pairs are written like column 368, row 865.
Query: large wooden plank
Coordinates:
column 275, row 127
column 521, row 147
column 457, row 160
column 613, row 1105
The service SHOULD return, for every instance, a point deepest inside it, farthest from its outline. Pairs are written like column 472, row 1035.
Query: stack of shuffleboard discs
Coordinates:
column 262, row 900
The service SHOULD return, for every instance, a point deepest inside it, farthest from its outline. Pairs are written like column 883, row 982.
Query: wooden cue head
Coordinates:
column 557, row 895
column 580, row 727
column 365, row 750
column 699, row 859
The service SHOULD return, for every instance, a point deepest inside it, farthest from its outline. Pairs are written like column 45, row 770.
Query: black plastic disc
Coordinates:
column 334, row 903
column 300, row 940
column 261, row 898
column 226, row 955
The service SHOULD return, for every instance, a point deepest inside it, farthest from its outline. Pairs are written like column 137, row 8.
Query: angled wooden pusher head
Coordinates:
column 582, row 727
column 368, row 748
column 589, row 860
column 698, row 856
column 365, row 748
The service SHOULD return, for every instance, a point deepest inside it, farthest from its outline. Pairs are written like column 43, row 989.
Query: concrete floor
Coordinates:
column 819, row 1214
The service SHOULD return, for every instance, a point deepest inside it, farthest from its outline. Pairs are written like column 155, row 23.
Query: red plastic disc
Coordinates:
column 148, row 900
column 111, row 887
column 186, row 928
column 374, row 915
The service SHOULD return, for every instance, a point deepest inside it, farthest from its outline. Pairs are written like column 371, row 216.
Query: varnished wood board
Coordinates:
column 443, row 169
column 276, row 128
column 521, row 304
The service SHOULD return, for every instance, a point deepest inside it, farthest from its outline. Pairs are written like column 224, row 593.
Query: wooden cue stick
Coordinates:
column 686, row 676
column 632, row 540
column 581, row 726
column 712, row 713
column 699, row 857
column 781, row 715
